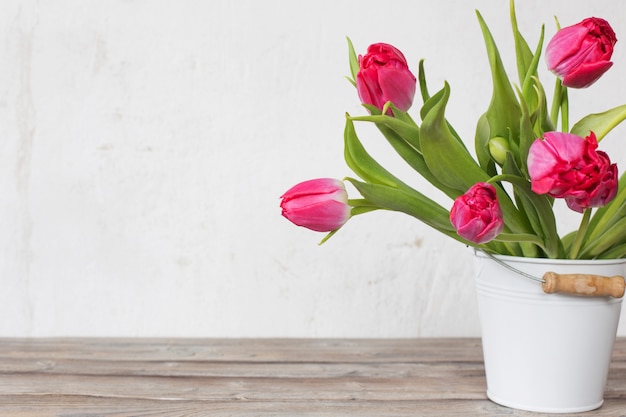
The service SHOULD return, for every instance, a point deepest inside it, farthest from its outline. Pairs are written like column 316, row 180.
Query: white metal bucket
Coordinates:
column 545, row 352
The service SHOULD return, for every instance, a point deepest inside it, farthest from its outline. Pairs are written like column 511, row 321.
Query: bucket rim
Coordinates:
column 550, row 261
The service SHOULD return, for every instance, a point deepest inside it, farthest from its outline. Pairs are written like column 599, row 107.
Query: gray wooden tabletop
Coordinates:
column 257, row 377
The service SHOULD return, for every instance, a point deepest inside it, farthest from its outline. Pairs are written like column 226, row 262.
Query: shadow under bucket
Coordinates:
column 545, row 352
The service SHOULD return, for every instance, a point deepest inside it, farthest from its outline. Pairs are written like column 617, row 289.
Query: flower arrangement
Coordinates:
column 526, row 154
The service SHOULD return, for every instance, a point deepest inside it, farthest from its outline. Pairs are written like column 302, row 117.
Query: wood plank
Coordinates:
column 448, row 386
column 260, row 377
column 250, row 350
column 51, row 406
column 173, row 368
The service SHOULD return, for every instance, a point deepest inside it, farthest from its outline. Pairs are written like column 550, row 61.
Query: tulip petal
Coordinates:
column 476, row 215
column 548, row 153
column 585, row 75
column 581, row 53
column 315, row 186
column 384, row 76
column 562, row 48
column 567, row 166
column 320, row 216
column 320, row 204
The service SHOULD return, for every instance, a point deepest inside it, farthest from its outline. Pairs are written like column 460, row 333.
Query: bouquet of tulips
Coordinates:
column 526, row 153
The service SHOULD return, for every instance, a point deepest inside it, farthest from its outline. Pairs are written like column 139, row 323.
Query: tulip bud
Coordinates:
column 581, row 53
column 319, row 204
column 498, row 148
column 384, row 76
column 476, row 215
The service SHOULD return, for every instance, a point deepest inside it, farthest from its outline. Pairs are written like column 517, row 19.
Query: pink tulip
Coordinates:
column 320, row 204
column 581, row 53
column 567, row 166
column 476, row 215
column 384, row 76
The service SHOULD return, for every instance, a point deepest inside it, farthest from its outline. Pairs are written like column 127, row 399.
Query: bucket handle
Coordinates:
column 584, row 284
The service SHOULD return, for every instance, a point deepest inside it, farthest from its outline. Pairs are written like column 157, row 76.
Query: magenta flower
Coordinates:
column 581, row 53
column 320, row 204
column 384, row 76
column 476, row 215
column 567, row 166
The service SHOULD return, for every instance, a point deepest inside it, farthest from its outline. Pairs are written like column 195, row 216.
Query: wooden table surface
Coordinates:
column 258, row 377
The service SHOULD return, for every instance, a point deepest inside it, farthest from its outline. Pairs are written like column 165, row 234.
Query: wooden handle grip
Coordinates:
column 584, row 284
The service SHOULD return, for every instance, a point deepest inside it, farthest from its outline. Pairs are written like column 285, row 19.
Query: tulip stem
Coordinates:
column 560, row 103
column 556, row 102
column 564, row 111
column 580, row 234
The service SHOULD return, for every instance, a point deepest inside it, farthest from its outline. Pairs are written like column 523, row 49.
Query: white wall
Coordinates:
column 144, row 145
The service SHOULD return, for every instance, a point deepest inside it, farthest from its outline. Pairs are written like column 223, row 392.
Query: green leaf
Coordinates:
column 416, row 161
column 417, row 205
column 481, row 144
column 431, row 102
column 360, row 206
column 359, row 161
column 568, row 240
column 503, row 113
column 526, row 138
column 354, row 61
column 328, row 236
column 600, row 123
column 528, row 92
column 452, row 164
column 613, row 236
column 579, row 236
column 512, row 174
column 615, row 252
column 446, row 157
column 520, row 238
column 407, row 201
column 540, row 207
column 605, row 217
column 422, row 82
column 403, row 117
column 403, row 135
column 523, row 54
column 428, row 106
column 408, row 131
column 543, row 122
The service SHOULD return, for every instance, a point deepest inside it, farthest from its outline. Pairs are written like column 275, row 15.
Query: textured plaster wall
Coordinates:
column 144, row 145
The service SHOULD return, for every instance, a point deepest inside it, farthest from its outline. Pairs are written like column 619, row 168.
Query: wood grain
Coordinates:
column 257, row 377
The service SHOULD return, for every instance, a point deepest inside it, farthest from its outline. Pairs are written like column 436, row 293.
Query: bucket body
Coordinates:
column 545, row 352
